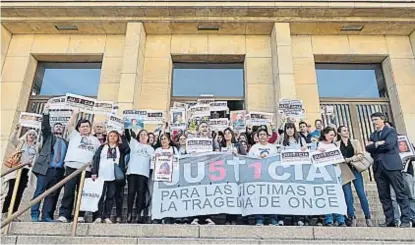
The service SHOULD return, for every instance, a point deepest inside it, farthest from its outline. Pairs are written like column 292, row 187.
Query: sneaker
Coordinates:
column 81, row 220
column 319, row 224
column 195, row 222
column 233, row 223
column 47, row 219
column 281, row 223
column 369, row 222
column 98, row 221
column 228, row 223
column 274, row 222
column 62, row 219
column 107, row 221
column 118, row 220
column 259, row 222
column 329, row 224
column 35, row 218
column 209, row 222
column 353, row 222
column 342, row 225
column 300, row 223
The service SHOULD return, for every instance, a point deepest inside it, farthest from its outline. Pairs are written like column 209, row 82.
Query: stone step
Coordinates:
column 215, row 232
column 122, row 240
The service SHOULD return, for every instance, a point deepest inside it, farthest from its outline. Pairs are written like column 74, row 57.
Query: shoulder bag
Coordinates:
column 363, row 164
column 15, row 158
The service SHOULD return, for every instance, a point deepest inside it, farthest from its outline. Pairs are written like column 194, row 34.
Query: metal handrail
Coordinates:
column 11, row 170
column 82, row 169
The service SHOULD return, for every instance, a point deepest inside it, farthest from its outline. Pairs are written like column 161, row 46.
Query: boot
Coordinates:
column 129, row 218
column 140, row 219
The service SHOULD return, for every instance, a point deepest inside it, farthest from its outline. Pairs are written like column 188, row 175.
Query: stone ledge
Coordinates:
column 255, row 232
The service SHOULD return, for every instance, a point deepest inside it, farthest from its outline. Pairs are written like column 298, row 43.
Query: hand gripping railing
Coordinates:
column 11, row 216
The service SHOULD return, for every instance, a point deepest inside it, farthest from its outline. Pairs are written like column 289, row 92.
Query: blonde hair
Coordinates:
column 31, row 131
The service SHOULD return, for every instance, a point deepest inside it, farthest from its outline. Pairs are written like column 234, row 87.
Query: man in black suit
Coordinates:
column 383, row 146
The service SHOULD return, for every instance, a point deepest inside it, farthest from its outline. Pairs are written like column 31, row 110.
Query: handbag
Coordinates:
column 118, row 173
column 363, row 164
column 15, row 158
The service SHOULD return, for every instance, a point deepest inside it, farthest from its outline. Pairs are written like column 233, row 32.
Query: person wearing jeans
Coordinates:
column 351, row 151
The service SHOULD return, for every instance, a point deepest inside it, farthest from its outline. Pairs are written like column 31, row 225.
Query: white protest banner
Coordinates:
column 114, row 123
column 291, row 108
column 294, row 157
column 218, row 124
column 330, row 156
column 219, row 106
column 198, row 145
column 103, row 107
column 57, row 103
column 30, row 120
column 163, row 168
column 205, row 99
column 405, row 147
column 259, row 118
column 238, row 121
column 61, row 116
column 199, row 110
column 180, row 105
column 91, row 194
column 134, row 119
column 154, row 117
column 178, row 118
column 217, row 183
column 84, row 104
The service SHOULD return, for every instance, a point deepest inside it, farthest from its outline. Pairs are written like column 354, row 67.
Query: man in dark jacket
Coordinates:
column 49, row 167
column 383, row 146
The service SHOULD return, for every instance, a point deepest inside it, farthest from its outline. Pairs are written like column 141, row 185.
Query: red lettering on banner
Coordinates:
column 217, row 167
column 257, row 169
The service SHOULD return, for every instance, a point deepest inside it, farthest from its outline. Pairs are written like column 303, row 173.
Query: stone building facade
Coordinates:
column 279, row 44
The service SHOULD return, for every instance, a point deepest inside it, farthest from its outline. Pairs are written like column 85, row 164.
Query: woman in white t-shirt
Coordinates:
column 138, row 172
column 165, row 147
column 263, row 149
column 182, row 144
column 107, row 157
column 327, row 142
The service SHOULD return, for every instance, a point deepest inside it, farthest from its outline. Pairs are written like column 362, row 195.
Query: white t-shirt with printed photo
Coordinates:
column 258, row 149
column 81, row 149
column 106, row 165
column 140, row 158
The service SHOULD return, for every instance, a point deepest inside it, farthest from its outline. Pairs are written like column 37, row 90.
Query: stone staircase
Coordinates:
column 58, row 233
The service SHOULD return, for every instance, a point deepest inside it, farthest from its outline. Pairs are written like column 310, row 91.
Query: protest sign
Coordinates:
column 114, row 123
column 57, row 103
column 219, row 106
column 30, row 120
column 103, row 107
column 405, row 147
column 199, row 110
column 163, row 168
column 259, row 118
column 178, row 118
column 154, row 117
column 84, row 104
column 331, row 156
column 291, row 108
column 219, row 124
column 197, row 145
column 238, row 121
column 91, row 194
column 293, row 157
column 134, row 119
column 205, row 99
column 215, row 183
column 180, row 105
column 61, row 116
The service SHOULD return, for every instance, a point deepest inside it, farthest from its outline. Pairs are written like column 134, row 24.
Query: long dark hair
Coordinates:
column 171, row 143
column 286, row 141
column 220, row 133
column 325, row 131
column 233, row 139
column 339, row 130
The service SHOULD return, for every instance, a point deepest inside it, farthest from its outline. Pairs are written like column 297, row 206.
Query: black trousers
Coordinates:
column 137, row 188
column 106, row 201
column 119, row 196
column 384, row 178
column 22, row 186
column 69, row 192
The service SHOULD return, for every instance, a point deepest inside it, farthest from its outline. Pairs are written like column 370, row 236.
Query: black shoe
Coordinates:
column 387, row 225
column 129, row 218
column 139, row 219
column 405, row 225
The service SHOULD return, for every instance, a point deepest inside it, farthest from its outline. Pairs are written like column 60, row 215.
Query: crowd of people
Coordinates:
column 132, row 153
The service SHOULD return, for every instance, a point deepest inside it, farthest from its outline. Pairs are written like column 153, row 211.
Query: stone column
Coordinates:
column 282, row 63
column 132, row 66
column 6, row 36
